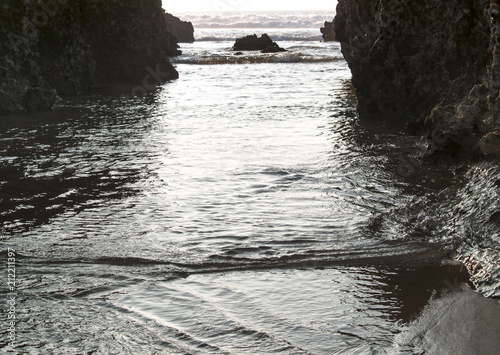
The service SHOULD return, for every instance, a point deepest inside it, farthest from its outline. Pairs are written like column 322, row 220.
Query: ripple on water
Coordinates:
column 239, row 210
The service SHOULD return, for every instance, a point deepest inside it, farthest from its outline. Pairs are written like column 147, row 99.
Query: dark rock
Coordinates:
column 273, row 49
column 253, row 43
column 433, row 63
column 328, row 31
column 68, row 47
column 182, row 30
column 129, row 41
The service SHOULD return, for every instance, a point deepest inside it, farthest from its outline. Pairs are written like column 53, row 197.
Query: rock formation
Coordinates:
column 328, row 31
column 433, row 64
column 471, row 122
column 182, row 30
column 263, row 43
column 63, row 47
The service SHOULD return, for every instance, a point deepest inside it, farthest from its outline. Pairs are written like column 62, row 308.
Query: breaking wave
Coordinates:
column 256, row 59
column 292, row 19
column 229, row 36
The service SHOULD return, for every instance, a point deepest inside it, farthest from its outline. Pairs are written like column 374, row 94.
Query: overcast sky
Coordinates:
column 178, row 6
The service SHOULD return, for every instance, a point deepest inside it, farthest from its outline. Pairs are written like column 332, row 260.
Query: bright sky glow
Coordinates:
column 179, row 6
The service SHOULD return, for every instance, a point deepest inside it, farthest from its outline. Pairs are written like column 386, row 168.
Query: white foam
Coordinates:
column 293, row 19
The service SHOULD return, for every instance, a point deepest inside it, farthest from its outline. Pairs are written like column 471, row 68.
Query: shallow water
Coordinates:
column 232, row 211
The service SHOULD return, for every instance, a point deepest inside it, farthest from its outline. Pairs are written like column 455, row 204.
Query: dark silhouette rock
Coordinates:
column 273, row 49
column 182, row 30
column 68, row 47
column 431, row 63
column 328, row 31
column 263, row 43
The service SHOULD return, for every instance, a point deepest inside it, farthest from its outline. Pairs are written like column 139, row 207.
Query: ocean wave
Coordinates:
column 278, row 37
column 257, row 59
column 314, row 19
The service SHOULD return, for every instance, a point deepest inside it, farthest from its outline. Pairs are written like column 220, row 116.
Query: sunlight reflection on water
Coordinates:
column 227, row 212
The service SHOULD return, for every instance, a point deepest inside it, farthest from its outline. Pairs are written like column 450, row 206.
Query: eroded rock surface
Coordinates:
column 433, row 64
column 63, row 47
column 328, row 31
column 182, row 30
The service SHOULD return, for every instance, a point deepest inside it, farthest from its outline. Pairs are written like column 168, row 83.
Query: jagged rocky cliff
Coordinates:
column 433, row 64
column 182, row 30
column 328, row 31
column 65, row 47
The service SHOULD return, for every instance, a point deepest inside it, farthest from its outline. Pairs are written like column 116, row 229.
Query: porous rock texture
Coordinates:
column 182, row 30
column 431, row 63
column 328, row 31
column 64, row 47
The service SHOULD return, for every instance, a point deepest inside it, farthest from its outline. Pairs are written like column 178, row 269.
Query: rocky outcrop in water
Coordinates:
column 263, row 43
column 182, row 30
column 433, row 64
column 328, row 31
column 54, row 47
